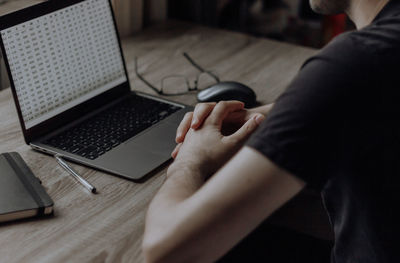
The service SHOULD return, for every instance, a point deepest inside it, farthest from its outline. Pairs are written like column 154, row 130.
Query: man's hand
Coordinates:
column 205, row 148
column 233, row 121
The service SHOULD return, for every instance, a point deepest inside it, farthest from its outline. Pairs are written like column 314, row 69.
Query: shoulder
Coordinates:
column 346, row 50
column 365, row 48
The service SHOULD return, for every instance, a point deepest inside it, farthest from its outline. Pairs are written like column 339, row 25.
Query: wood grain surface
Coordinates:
column 9, row 6
column 108, row 226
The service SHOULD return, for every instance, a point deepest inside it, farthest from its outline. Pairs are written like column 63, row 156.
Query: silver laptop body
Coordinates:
column 66, row 68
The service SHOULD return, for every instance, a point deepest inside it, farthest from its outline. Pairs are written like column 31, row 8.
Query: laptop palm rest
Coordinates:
column 141, row 154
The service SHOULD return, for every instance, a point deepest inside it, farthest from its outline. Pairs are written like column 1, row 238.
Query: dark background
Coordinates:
column 286, row 20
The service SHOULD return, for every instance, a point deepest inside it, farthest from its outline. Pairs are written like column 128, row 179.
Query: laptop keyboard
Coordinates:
column 112, row 127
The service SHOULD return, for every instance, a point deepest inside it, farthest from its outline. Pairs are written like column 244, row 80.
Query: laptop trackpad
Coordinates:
column 141, row 154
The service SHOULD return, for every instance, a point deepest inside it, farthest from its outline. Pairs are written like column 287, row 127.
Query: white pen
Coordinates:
column 64, row 165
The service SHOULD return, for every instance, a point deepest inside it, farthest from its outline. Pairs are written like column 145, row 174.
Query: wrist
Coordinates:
column 178, row 170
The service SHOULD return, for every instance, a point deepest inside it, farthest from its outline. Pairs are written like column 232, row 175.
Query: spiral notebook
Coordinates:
column 21, row 192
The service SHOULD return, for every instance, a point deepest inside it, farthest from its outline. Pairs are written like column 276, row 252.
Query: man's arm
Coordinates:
column 191, row 222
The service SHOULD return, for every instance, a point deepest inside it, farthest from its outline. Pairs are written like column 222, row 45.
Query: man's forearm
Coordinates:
column 165, row 211
column 181, row 183
column 232, row 203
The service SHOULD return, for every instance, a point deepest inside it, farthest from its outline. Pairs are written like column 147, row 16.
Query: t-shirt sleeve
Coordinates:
column 300, row 133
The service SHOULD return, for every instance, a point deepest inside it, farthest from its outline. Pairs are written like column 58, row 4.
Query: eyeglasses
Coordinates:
column 174, row 85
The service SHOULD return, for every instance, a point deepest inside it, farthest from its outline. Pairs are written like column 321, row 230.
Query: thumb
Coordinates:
column 247, row 129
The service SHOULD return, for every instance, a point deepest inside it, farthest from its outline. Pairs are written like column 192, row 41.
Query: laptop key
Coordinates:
column 115, row 143
column 92, row 157
column 75, row 149
column 86, row 151
column 100, row 152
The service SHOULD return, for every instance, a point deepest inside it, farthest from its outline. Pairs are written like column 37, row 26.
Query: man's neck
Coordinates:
column 363, row 12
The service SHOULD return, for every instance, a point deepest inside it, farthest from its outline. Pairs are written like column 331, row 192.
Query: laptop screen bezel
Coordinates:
column 77, row 111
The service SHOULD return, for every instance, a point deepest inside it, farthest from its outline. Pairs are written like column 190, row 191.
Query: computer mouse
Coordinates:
column 228, row 90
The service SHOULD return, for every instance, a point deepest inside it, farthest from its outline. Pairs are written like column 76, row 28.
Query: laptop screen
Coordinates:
column 63, row 58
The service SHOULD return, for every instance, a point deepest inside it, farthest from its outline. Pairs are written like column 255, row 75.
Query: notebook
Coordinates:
column 21, row 192
column 72, row 91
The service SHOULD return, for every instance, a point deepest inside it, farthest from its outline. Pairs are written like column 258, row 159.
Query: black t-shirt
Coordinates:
column 337, row 127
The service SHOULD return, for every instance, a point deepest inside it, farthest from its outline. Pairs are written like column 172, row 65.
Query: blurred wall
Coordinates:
column 155, row 11
column 132, row 15
column 129, row 16
column 3, row 75
column 200, row 11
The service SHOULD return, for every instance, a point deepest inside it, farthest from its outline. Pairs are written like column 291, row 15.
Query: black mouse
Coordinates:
column 228, row 90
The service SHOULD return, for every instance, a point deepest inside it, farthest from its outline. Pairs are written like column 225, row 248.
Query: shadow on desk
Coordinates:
column 30, row 220
column 275, row 244
column 298, row 232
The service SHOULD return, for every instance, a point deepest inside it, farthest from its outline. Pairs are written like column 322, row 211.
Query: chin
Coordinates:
column 329, row 7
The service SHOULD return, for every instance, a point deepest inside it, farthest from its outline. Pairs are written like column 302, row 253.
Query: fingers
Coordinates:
column 240, row 116
column 247, row 129
column 176, row 150
column 193, row 120
column 222, row 110
column 183, row 127
column 201, row 112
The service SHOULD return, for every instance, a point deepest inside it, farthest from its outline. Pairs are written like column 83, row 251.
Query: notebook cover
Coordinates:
column 20, row 189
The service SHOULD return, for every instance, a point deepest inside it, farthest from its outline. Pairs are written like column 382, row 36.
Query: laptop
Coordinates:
column 72, row 93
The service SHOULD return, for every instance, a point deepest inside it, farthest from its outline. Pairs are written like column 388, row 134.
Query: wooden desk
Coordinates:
column 108, row 227
column 13, row 5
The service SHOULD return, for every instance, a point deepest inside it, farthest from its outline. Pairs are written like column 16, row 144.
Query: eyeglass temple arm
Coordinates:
column 199, row 67
column 144, row 80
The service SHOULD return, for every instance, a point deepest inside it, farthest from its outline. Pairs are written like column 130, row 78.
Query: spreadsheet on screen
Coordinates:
column 62, row 59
